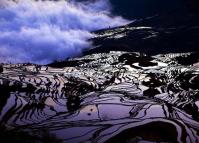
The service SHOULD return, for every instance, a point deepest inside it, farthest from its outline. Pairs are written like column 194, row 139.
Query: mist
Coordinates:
column 44, row 31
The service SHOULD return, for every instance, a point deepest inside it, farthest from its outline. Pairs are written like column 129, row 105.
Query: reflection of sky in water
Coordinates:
column 117, row 109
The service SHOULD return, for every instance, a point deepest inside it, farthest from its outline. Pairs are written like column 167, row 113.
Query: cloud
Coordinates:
column 44, row 31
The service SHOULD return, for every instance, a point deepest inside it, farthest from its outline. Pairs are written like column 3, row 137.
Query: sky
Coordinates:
column 44, row 31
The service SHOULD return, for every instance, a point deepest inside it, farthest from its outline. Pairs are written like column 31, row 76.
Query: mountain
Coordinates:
column 169, row 33
column 138, row 83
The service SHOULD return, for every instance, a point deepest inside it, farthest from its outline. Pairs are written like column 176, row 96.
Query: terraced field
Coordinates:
column 107, row 97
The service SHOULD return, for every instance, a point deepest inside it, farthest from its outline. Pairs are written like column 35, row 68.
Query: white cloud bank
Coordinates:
column 43, row 31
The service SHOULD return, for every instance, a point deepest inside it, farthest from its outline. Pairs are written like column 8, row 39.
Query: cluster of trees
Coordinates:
column 1, row 68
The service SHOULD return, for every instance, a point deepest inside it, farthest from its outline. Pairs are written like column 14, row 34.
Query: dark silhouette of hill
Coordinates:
column 166, row 33
column 170, row 26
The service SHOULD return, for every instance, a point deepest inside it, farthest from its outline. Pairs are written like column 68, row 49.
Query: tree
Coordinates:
column 1, row 68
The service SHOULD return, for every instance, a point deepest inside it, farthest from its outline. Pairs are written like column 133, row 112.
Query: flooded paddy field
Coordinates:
column 109, row 97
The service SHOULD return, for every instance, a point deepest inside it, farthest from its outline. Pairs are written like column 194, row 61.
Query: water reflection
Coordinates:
column 98, row 105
